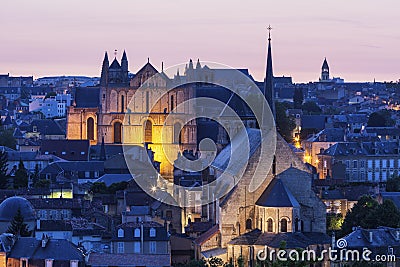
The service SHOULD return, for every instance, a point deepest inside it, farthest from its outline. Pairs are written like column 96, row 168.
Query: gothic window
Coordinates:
column 270, row 225
column 120, row 232
column 117, row 133
column 90, row 129
column 148, row 132
column 248, row 224
column 284, row 225
column 177, row 133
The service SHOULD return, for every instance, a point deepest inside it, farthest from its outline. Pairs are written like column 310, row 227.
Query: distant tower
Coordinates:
column 269, row 77
column 325, row 72
column 104, row 71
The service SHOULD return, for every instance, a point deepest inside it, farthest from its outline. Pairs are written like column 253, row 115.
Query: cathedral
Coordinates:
column 108, row 112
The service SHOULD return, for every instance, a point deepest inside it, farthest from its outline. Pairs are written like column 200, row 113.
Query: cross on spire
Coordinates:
column 115, row 53
column 269, row 32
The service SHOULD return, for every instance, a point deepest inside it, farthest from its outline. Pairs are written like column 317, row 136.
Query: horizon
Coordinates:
column 68, row 38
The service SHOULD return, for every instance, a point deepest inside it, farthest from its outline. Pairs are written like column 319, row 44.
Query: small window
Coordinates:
column 152, row 232
column 120, row 247
column 120, row 232
column 74, row 263
column 63, row 153
column 83, row 153
column 49, row 263
column 137, row 232
column 153, row 247
column 136, row 247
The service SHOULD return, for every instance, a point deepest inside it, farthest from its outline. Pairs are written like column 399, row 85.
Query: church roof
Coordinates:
column 115, row 64
column 223, row 159
column 277, row 195
column 87, row 97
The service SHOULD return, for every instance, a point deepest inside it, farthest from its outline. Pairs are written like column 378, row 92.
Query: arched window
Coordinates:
column 177, row 133
column 296, row 224
column 148, row 132
column 137, row 232
column 117, row 132
column 248, row 224
column 122, row 104
column 172, row 103
column 90, row 128
column 270, row 225
column 284, row 225
column 120, row 232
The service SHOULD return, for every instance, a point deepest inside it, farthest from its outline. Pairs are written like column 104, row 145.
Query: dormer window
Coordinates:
column 120, row 232
column 137, row 232
column 152, row 232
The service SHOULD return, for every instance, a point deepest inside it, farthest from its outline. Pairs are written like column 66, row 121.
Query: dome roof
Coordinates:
column 10, row 206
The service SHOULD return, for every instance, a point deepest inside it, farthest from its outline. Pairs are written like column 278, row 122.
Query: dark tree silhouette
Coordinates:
column 3, row 170
column 298, row 98
column 18, row 227
column 380, row 119
column 21, row 176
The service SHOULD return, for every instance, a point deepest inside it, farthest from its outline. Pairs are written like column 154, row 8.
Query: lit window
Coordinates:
column 137, row 232
column 120, row 232
column 120, row 247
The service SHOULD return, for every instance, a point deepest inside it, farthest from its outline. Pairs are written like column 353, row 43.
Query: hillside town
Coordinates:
column 72, row 149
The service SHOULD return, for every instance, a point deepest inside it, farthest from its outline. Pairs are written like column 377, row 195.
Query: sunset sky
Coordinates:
column 359, row 38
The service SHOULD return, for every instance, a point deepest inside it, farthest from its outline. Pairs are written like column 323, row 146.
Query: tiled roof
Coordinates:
column 274, row 240
column 56, row 249
column 277, row 195
column 107, row 259
column 207, row 235
column 364, row 148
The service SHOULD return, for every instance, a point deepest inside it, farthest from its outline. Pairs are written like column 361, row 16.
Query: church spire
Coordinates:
column 124, row 67
column 269, row 76
column 104, row 70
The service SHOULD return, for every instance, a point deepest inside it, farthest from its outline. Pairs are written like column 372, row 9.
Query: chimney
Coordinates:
column 370, row 236
column 38, row 224
column 45, row 239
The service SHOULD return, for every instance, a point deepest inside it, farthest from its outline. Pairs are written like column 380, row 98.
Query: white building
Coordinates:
column 52, row 106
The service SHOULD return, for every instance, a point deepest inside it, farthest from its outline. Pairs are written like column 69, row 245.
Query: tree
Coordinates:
column 311, row 108
column 298, row 98
column 21, row 176
column 285, row 124
column 369, row 214
column 7, row 139
column 35, row 176
column 18, row 227
column 334, row 222
column 380, row 118
column 3, row 170
column 42, row 183
column 215, row 262
column 393, row 184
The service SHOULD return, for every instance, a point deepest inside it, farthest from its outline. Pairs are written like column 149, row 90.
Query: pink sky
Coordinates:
column 360, row 38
